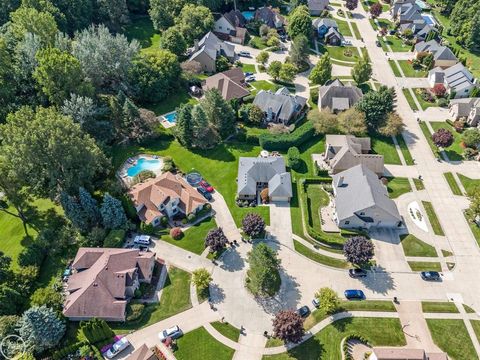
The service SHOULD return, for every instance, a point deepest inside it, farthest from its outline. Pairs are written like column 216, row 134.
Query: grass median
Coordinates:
column 432, row 217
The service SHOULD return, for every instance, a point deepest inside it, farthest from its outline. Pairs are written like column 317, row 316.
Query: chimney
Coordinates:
column 340, row 181
column 195, row 44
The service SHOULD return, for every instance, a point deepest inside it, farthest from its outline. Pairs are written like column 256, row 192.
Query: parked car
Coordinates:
column 304, row 311
column 250, row 78
column 430, row 275
column 354, row 294
column 142, row 239
column 206, row 186
column 316, row 303
column 244, row 54
column 357, row 273
column 392, row 32
column 174, row 333
column 378, row 43
column 247, row 74
column 205, row 193
column 117, row 348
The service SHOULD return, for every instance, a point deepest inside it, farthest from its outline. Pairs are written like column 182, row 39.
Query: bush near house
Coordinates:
column 176, row 233
column 284, row 141
column 114, row 239
column 95, row 331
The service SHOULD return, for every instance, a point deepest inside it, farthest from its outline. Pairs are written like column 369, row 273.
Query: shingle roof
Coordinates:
column 317, row 5
column 336, row 89
column 439, row 52
column 456, row 77
column 235, row 18
column 269, row 16
column 212, row 45
column 280, row 102
column 317, row 22
column 228, row 83
column 142, row 353
column 333, row 32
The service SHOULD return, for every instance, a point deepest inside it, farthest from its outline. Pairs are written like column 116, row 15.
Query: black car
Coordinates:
column 205, row 193
column 430, row 275
column 357, row 273
column 304, row 311
column 378, row 43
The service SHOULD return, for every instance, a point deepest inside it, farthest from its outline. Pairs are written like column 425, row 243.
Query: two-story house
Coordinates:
column 279, row 106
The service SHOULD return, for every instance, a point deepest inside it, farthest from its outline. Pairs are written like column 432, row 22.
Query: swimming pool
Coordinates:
column 248, row 15
column 171, row 117
column 429, row 19
column 144, row 164
column 422, row 4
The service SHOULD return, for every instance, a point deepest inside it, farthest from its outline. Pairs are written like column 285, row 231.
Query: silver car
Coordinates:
column 174, row 333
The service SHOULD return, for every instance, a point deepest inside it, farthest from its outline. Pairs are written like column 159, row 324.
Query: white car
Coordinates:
column 173, row 333
column 346, row 42
column 244, row 54
column 142, row 239
column 250, row 78
column 117, row 348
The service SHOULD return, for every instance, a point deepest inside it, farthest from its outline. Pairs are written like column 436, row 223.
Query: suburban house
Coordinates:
column 442, row 55
column 333, row 37
column 279, row 106
column 362, row 202
column 345, row 151
column 338, row 97
column 322, row 25
column 467, row 109
column 166, row 195
column 419, row 28
column 231, row 84
column 143, row 353
column 231, row 27
column 405, row 11
column 404, row 354
column 206, row 51
column 258, row 173
column 456, row 79
column 270, row 17
column 315, row 7
column 104, row 280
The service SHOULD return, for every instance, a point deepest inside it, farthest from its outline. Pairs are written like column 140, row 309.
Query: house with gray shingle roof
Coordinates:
column 442, row 55
column 230, row 84
column 257, row 173
column 468, row 109
column 361, row 200
column 322, row 25
column 315, row 7
column 208, row 49
column 456, row 79
column 279, row 106
column 338, row 97
column 230, row 26
column 270, row 17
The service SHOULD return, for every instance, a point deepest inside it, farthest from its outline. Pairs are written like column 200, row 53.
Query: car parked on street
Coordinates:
column 354, row 294
column 430, row 275
column 117, row 348
column 205, row 193
column 357, row 273
column 244, row 54
column 304, row 311
column 173, row 333
column 206, row 186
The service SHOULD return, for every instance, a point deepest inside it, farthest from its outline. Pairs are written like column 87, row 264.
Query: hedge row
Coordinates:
column 346, row 352
column 95, row 331
column 62, row 353
column 286, row 141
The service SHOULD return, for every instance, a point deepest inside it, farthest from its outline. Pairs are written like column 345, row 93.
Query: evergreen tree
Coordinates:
column 219, row 113
column 74, row 212
column 184, row 125
column 299, row 51
column 113, row 214
column 11, row 300
column 263, row 278
column 89, row 207
column 205, row 136
column 473, row 37
column 322, row 72
column 300, row 22
column 362, row 71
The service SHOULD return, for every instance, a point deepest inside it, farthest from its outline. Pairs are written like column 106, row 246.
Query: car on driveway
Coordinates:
column 247, row 74
column 250, row 78
column 117, row 348
column 430, row 275
column 354, row 294
column 316, row 303
column 205, row 193
column 304, row 311
column 357, row 273
column 244, row 54
column 206, row 186
column 142, row 240
column 173, row 333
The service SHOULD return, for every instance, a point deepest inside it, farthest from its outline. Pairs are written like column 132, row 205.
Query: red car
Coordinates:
column 206, row 186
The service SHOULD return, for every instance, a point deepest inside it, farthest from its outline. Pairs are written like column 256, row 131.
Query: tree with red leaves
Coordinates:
column 288, row 326
column 253, row 225
column 442, row 138
column 216, row 240
column 351, row 4
column 376, row 10
column 176, row 233
column 358, row 250
column 439, row 90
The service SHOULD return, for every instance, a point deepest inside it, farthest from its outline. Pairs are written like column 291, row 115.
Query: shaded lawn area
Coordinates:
column 175, row 298
column 428, row 137
column 326, row 343
column 419, row 185
column 452, row 183
column 319, row 258
column 413, row 246
column 248, row 68
column 432, row 217
column 395, row 43
column 424, row 266
column 343, row 27
column 200, row 345
column 384, row 145
column 398, row 186
column 404, row 149
column 423, row 104
column 409, row 71
column 219, row 166
column 452, row 337
column 141, row 29
column 468, row 183
column 454, row 151
column 474, row 228
column 316, row 199
column 173, row 101
column 227, row 330
column 410, row 99
column 439, row 307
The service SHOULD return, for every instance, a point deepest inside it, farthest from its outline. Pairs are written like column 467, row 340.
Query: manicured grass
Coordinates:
column 320, row 258
column 452, row 183
column 404, row 149
column 273, row 342
column 367, row 305
column 179, row 97
column 476, row 326
column 248, row 68
column 419, row 185
column 384, row 145
column 410, row 100
column 452, row 337
column 423, row 104
column 454, row 151
column 446, row 253
column 326, row 343
column 175, row 298
column 200, row 345
column 219, row 166
column 468, row 183
column 432, row 217
column 412, row 246
column 263, row 85
column 396, row 44
column 428, row 137
column 193, row 238
column 409, row 71
column 227, row 330
column 258, row 42
column 398, row 186
column 316, row 199
column 394, row 67
column 141, row 29
column 474, row 228
column 469, row 310
column 343, row 27
column 439, row 307
column 424, row 266
column 338, row 52
column 356, row 32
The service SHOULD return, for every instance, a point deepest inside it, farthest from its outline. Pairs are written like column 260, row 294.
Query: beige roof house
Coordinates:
column 338, row 97
column 143, row 353
column 166, row 195
column 104, row 280
column 404, row 354
column 346, row 151
column 230, row 84
column 467, row 108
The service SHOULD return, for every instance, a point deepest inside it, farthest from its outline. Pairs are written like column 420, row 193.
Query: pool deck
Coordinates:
column 165, row 123
column 122, row 175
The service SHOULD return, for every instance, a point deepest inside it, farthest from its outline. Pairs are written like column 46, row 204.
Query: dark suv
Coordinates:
column 357, row 273
column 430, row 275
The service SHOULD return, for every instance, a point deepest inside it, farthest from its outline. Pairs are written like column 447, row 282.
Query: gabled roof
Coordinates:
column 439, row 52
column 280, row 102
column 317, row 5
column 328, row 23
column 211, row 45
column 228, row 83
column 142, row 353
column 456, row 77
column 465, row 105
column 269, row 16
column 337, row 90
column 333, row 32
column 235, row 18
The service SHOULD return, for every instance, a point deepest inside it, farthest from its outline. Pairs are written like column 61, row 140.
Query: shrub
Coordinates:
column 95, row 331
column 114, row 239
column 470, row 153
column 143, row 175
column 191, row 217
column 134, row 311
column 288, row 326
column 358, row 250
column 293, row 158
column 471, row 138
column 253, row 225
column 442, row 102
column 442, row 138
column 168, row 164
column 314, row 95
column 147, row 229
column 285, row 141
column 439, row 90
column 176, row 233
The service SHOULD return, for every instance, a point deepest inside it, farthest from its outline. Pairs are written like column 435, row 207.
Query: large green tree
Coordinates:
column 194, row 21
column 299, row 51
column 263, row 278
column 183, row 130
column 173, row 41
column 163, row 12
column 113, row 214
column 29, row 20
column 7, row 81
column 274, row 69
column 300, row 22
column 287, row 72
column 377, row 105
column 219, row 113
column 362, row 71
column 322, row 72
column 205, row 136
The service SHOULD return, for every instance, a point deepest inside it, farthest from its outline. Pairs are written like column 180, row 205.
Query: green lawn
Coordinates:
column 409, row 71
column 200, row 345
column 410, row 100
column 412, row 246
column 452, row 183
column 273, row 342
column 193, row 238
column 343, row 27
column 394, row 67
column 424, row 266
column 428, row 137
column 141, row 29
column 339, row 52
column 258, row 42
column 468, row 183
column 263, row 85
column 454, row 151
column 248, row 68
column 219, row 166
column 227, row 330
column 326, row 343
column 423, row 104
column 432, row 217
column 419, row 185
column 356, row 32
column 476, row 326
column 384, row 145
column 172, row 102
column 469, row 310
column 439, row 307
column 404, row 149
column 320, row 258
column 398, row 186
column 446, row 253
column 316, row 199
column 175, row 298
column 475, row 229
column 395, row 43
column 452, row 337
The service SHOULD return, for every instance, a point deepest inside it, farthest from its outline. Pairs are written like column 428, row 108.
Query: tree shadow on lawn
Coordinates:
column 312, row 349
column 453, row 155
column 341, row 324
column 380, row 282
column 219, row 153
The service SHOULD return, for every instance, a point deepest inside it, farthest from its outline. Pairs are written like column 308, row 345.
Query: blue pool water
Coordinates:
column 143, row 164
column 248, row 15
column 171, row 117
column 428, row 19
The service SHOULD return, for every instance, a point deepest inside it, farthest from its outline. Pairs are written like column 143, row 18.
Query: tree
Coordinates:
column 183, row 130
column 273, row 42
column 274, row 69
column 222, row 63
column 113, row 214
column 219, row 113
column 472, row 43
column 48, row 296
column 113, row 13
column 194, row 21
column 201, row 278
column 6, row 273
column 362, row 71
column 352, row 122
column 324, row 122
column 11, row 301
column 262, row 57
column 74, row 212
column 376, row 10
column 89, row 206
column 299, row 51
column 376, row 105
column 253, row 225
column 442, row 138
column 328, row 299
column 322, row 72
column 351, row 4
column 293, row 158
column 40, row 328
column 71, row 159
column 393, row 126
column 263, row 278
column 215, row 240
column 163, row 12
column 8, row 325
column 81, row 109
column 287, row 72
column 300, row 22
column 358, row 250
column 29, row 20
column 288, row 326
column 471, row 138
column 7, row 80
column 173, row 41
column 205, row 136
column 439, row 90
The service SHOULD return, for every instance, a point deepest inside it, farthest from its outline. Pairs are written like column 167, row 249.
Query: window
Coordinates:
column 347, row 222
column 362, row 213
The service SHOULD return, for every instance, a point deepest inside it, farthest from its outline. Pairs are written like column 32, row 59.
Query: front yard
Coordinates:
column 407, row 69
column 454, row 151
column 395, row 43
column 468, row 183
column 200, row 345
column 432, row 218
column 341, row 53
column 398, row 186
column 384, row 145
column 412, row 246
